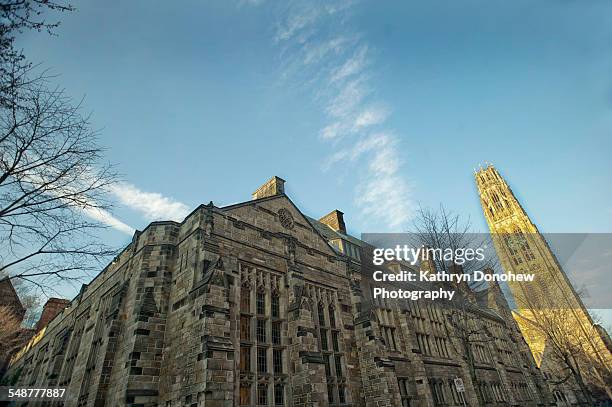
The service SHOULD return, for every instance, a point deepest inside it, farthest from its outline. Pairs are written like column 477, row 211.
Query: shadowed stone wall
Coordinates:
column 250, row 305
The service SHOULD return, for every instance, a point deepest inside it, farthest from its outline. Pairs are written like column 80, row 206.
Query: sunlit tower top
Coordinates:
column 503, row 212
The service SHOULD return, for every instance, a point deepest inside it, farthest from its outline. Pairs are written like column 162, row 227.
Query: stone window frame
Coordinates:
column 260, row 330
column 260, row 301
column 259, row 280
column 327, row 300
column 245, row 298
column 437, row 391
column 262, row 360
column 404, row 388
column 245, row 358
column 331, row 311
column 245, row 328
column 277, row 334
column 275, row 304
column 262, row 394
column 277, row 361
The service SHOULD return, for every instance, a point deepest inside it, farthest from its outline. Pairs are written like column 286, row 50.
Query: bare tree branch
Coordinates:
column 52, row 175
column 567, row 334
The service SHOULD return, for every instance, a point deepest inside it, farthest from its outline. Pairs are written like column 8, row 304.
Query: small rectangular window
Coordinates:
column 276, row 333
column 321, row 316
column 245, row 359
column 277, row 358
column 338, row 363
column 335, row 343
column 262, row 361
column 261, row 303
column 262, row 394
column 275, row 306
column 279, row 394
column 324, row 345
column 245, row 299
column 341, row 395
column 261, row 330
column 327, row 365
column 330, row 394
column 245, row 328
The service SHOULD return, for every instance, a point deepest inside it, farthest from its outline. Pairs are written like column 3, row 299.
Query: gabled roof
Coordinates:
column 306, row 219
column 255, row 201
column 329, row 233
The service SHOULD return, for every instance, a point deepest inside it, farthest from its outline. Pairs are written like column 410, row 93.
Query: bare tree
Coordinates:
column 53, row 185
column 17, row 16
column 570, row 345
column 444, row 230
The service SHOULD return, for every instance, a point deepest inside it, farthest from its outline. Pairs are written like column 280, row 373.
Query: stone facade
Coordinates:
column 10, row 299
column 256, row 304
column 12, row 310
column 52, row 307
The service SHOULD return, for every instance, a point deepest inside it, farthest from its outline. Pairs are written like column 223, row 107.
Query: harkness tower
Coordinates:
column 550, row 297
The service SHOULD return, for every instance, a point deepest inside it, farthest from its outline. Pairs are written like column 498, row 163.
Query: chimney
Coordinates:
column 274, row 186
column 335, row 220
column 52, row 307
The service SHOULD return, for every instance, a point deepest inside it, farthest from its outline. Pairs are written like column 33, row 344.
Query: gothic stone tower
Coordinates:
column 522, row 249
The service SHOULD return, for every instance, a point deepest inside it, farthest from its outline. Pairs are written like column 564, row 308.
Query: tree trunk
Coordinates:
column 573, row 365
column 469, row 357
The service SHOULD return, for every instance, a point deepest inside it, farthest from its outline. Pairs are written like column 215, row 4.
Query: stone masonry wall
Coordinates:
column 250, row 305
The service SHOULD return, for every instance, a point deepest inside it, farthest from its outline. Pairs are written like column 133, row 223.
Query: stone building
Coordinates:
column 10, row 299
column 52, row 307
column 12, row 313
column 256, row 304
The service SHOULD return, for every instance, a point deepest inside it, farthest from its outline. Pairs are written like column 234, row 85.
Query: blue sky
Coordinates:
column 369, row 107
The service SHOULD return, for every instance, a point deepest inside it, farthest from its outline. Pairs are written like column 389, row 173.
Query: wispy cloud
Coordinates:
column 314, row 53
column 106, row 218
column 152, row 205
column 370, row 117
column 149, row 205
column 87, row 180
column 296, row 22
column 315, row 39
column 348, row 99
column 351, row 66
